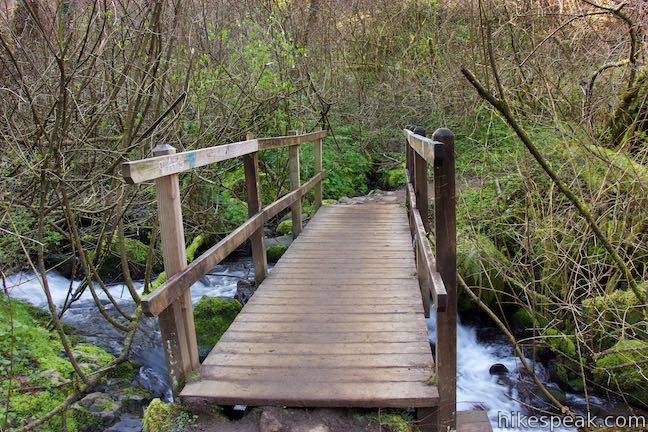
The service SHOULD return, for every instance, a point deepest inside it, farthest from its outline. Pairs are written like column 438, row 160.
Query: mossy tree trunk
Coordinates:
column 628, row 124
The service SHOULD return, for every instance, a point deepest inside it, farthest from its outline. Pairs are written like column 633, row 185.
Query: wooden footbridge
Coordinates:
column 341, row 319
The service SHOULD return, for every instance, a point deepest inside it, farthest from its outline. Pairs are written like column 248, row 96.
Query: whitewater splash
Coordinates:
column 477, row 388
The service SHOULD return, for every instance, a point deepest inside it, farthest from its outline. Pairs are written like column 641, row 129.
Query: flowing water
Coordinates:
column 476, row 387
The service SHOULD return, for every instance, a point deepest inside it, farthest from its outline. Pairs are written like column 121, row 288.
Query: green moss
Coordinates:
column 275, row 252
column 92, row 354
column 38, row 361
column 191, row 250
column 393, row 178
column 326, row 202
column 392, row 420
column 160, row 416
column 212, row 317
column 631, row 378
column 136, row 251
column 560, row 342
column 196, row 243
column 482, row 264
column 285, row 227
column 618, row 303
column 125, row 370
column 28, row 406
column 522, row 319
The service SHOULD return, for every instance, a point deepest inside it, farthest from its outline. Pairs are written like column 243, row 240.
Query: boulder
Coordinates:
column 498, row 369
column 96, row 411
column 285, row 227
column 159, row 416
column 244, row 290
column 212, row 317
column 275, row 252
column 624, row 366
column 284, row 240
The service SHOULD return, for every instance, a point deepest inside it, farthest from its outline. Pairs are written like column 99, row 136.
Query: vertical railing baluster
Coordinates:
column 176, row 321
column 421, row 183
column 295, row 182
column 253, row 187
column 317, row 157
column 446, row 260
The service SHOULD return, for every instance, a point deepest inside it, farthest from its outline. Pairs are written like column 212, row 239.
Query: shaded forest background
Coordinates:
column 87, row 85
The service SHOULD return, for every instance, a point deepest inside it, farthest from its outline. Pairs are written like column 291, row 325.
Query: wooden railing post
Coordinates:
column 317, row 152
column 446, row 261
column 176, row 321
column 421, row 183
column 253, row 186
column 295, row 182
column 409, row 157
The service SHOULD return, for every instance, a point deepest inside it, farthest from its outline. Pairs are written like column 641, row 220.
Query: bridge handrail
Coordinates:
column 437, row 272
column 159, row 166
column 154, row 303
column 171, row 302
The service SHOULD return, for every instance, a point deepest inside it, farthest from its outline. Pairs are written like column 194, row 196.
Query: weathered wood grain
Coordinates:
column 176, row 323
column 162, row 165
column 337, row 322
column 253, row 190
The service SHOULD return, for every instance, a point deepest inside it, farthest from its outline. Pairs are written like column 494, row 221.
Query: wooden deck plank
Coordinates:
column 291, row 394
column 315, row 348
column 338, row 322
column 317, row 375
column 319, row 360
column 324, row 338
column 336, row 327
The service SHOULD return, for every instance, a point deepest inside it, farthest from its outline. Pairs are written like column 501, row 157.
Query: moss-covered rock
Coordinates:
column 212, row 317
column 275, row 252
column 39, row 363
column 285, row 227
column 482, row 265
column 622, row 367
column 522, row 319
column 95, row 412
column 622, row 303
column 560, row 342
column 392, row 178
column 160, row 416
column 125, row 370
column 326, row 202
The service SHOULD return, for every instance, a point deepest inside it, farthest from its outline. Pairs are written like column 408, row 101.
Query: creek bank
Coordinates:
column 37, row 377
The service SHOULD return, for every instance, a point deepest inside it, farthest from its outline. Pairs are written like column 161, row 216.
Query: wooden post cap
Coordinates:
column 442, row 134
column 163, row 149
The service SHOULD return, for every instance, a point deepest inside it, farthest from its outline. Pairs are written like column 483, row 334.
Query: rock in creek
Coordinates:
column 244, row 290
column 498, row 369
